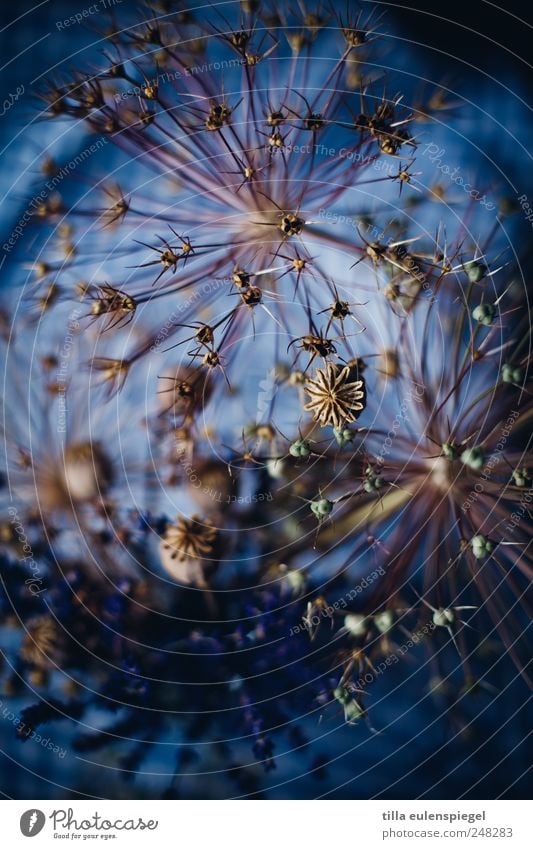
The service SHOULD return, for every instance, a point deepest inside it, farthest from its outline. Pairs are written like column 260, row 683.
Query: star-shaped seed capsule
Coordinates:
column 335, row 398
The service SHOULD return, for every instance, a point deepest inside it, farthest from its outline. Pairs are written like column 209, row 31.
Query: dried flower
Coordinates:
column 335, row 398
column 40, row 647
column 189, row 538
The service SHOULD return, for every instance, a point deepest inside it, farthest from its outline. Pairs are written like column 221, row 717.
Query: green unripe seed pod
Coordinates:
column 484, row 314
column 342, row 695
column 353, row 712
column 476, row 271
column 443, row 617
column 322, row 507
column 520, row 477
column 384, row 621
column 512, row 374
column 449, row 450
column 356, row 624
column 508, row 373
column 300, row 448
column 474, row 458
column 372, row 481
column 481, row 546
column 343, row 435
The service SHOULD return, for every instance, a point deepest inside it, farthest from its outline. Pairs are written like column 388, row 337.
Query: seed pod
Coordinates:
column 476, row 271
column 291, row 225
column 449, row 451
column 443, row 617
column 353, row 712
column 300, row 448
column 342, row 695
column 384, row 621
column 481, row 546
column 484, row 314
column 521, row 478
column 356, row 624
column 474, row 458
column 321, row 507
column 343, row 436
column 512, row 374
